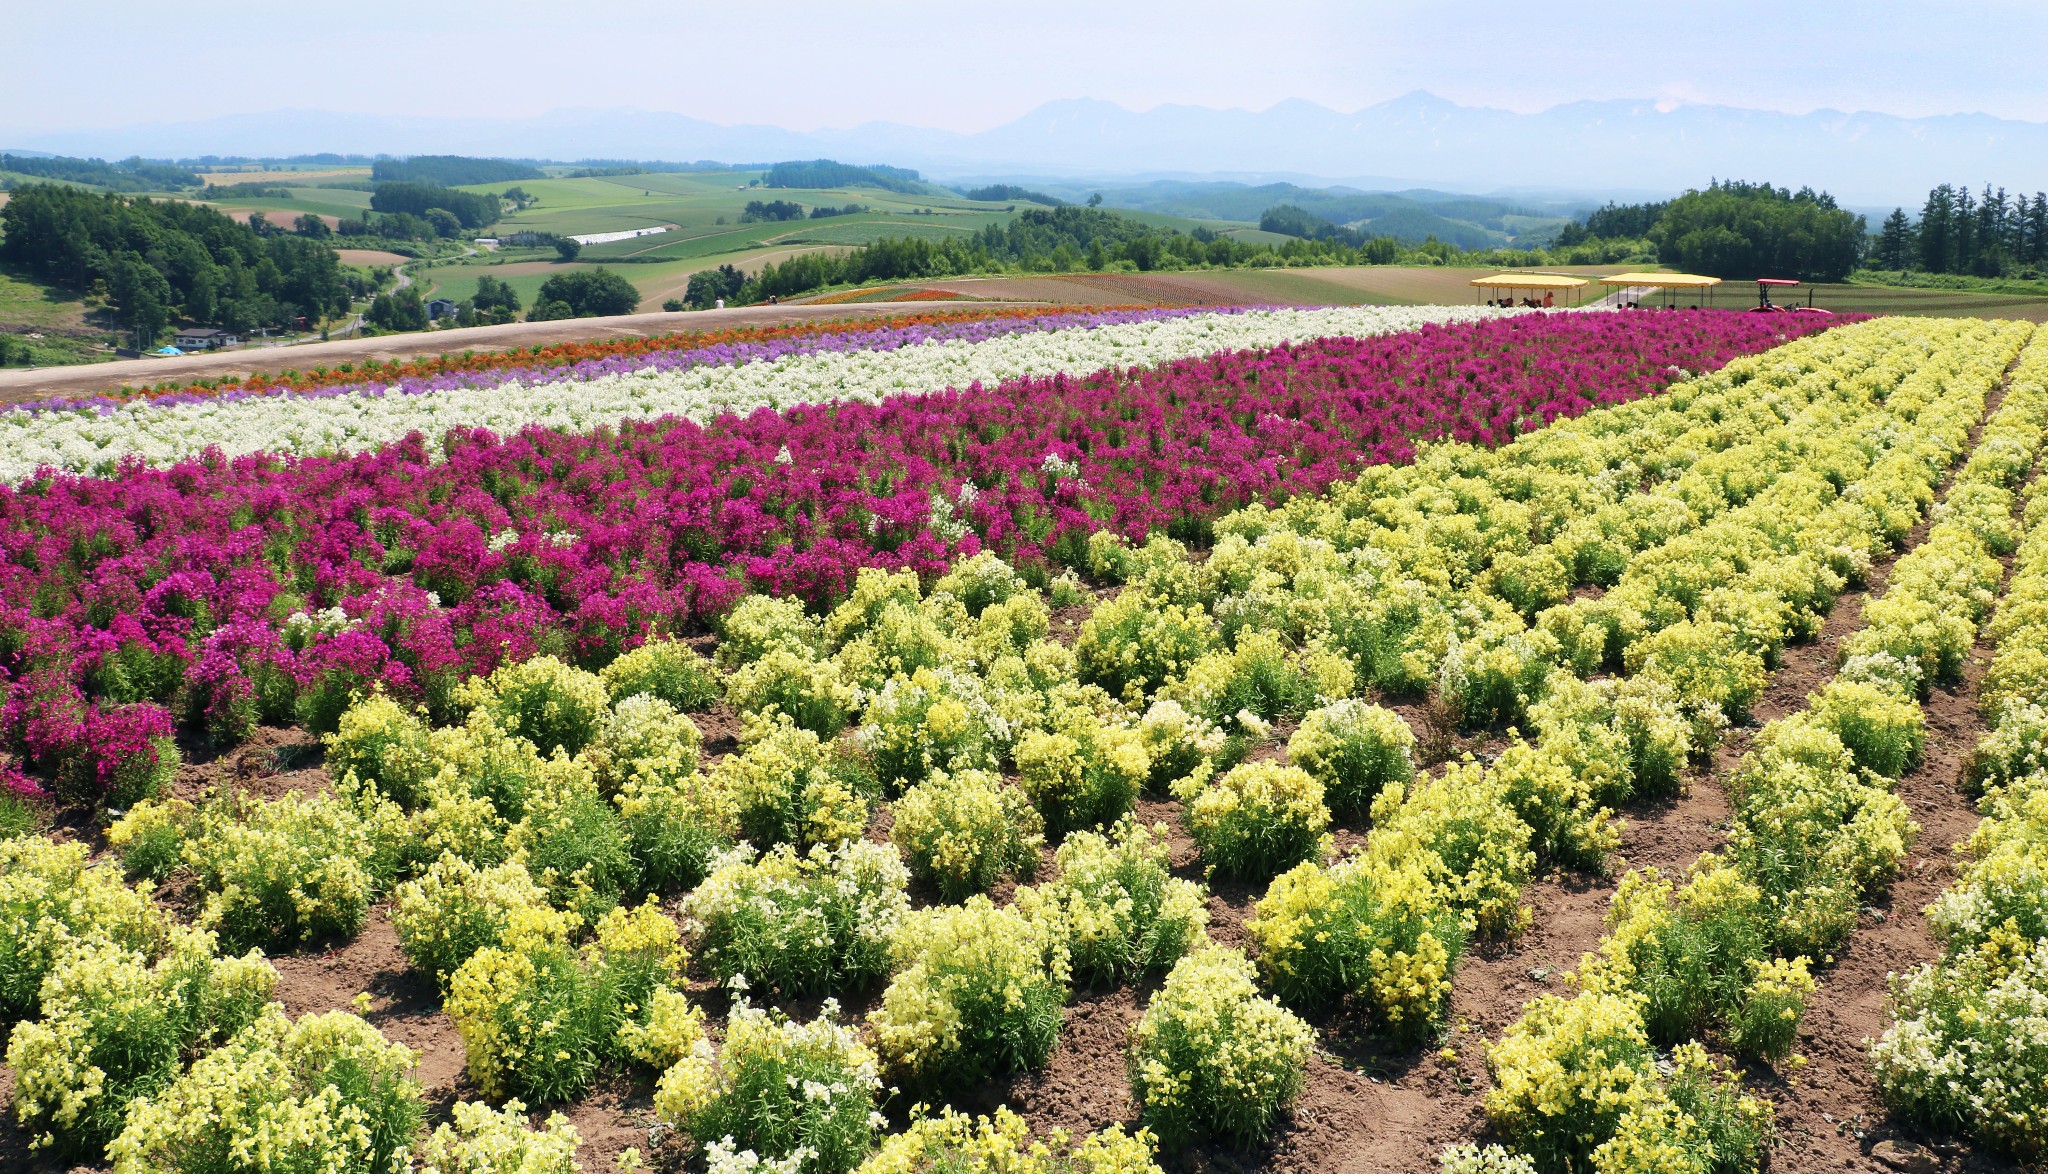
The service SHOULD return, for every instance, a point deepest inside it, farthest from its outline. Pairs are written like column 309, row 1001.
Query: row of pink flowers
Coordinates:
column 222, row 592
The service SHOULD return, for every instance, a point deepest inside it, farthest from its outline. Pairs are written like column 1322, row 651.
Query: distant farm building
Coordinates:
column 439, row 308
column 205, row 338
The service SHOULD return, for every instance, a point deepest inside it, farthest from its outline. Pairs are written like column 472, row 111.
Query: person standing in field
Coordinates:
column 1548, row 299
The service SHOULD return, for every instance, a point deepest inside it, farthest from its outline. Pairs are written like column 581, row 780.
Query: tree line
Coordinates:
column 156, row 260
column 452, row 170
column 826, row 173
column 1992, row 235
column 1048, row 240
column 133, row 174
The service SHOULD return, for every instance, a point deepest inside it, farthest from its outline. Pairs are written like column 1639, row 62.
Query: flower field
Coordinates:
column 1119, row 741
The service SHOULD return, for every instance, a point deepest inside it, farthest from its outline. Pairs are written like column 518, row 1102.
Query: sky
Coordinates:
column 84, row 64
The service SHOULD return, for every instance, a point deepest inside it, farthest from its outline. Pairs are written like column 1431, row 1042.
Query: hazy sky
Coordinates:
column 75, row 64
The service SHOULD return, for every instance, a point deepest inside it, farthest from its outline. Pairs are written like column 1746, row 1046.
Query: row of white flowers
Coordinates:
column 91, row 441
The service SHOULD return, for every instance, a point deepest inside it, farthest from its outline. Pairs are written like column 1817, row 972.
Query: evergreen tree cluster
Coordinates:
column 158, row 260
column 1614, row 222
column 1992, row 235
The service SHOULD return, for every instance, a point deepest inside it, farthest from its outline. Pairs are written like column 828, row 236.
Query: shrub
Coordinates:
column 1211, row 1058
column 1472, row 1159
column 1768, row 1024
column 964, row 832
column 801, row 923
column 934, row 719
column 812, row 693
column 1698, row 961
column 785, row 786
column 385, row 746
column 50, row 895
column 954, row 1144
column 1699, row 1124
column 455, row 909
column 1177, row 742
column 2016, row 748
column 1135, row 643
column 786, row 1090
column 544, row 701
column 1569, row 826
column 537, row 1019
column 1704, row 664
column 978, row 993
column 1260, row 676
column 574, row 843
column 672, row 1030
column 1566, row 1072
column 483, row 1140
column 324, row 1093
column 1965, row 1054
column 674, row 829
column 1812, row 835
column 1114, row 907
column 1353, row 749
column 1884, row 730
column 665, row 669
column 1459, row 829
column 150, row 839
column 127, row 754
column 115, row 1027
column 980, row 582
column 1380, row 933
column 645, row 738
column 1258, row 819
column 760, row 624
column 1083, row 772
column 283, row 872
column 481, row 758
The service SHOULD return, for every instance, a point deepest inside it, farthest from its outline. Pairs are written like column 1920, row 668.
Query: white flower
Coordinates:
column 93, row 442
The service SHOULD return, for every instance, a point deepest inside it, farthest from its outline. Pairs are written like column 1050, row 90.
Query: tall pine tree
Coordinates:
column 1896, row 246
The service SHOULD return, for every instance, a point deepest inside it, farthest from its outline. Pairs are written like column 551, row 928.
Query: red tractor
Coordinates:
column 1764, row 304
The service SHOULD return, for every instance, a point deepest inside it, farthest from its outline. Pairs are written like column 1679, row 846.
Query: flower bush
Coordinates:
column 483, row 1140
column 50, row 895
column 667, row 670
column 978, row 992
column 1114, row 908
column 1353, row 749
column 785, row 1090
column 801, row 922
column 965, row 831
column 454, row 909
column 537, row 1018
column 114, row 1026
column 324, row 1092
column 1002, row 1144
column 284, row 872
column 1258, row 819
column 550, row 704
column 1211, row 1058
column 787, row 787
column 1084, row 772
column 1378, row 932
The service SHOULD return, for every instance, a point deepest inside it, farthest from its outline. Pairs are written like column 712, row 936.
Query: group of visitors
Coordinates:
column 1549, row 300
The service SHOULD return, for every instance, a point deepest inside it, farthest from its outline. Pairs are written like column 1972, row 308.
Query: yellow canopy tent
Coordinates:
column 1671, row 283
column 1545, row 281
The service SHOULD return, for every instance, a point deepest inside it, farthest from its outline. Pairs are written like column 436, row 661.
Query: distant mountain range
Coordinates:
column 1417, row 140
